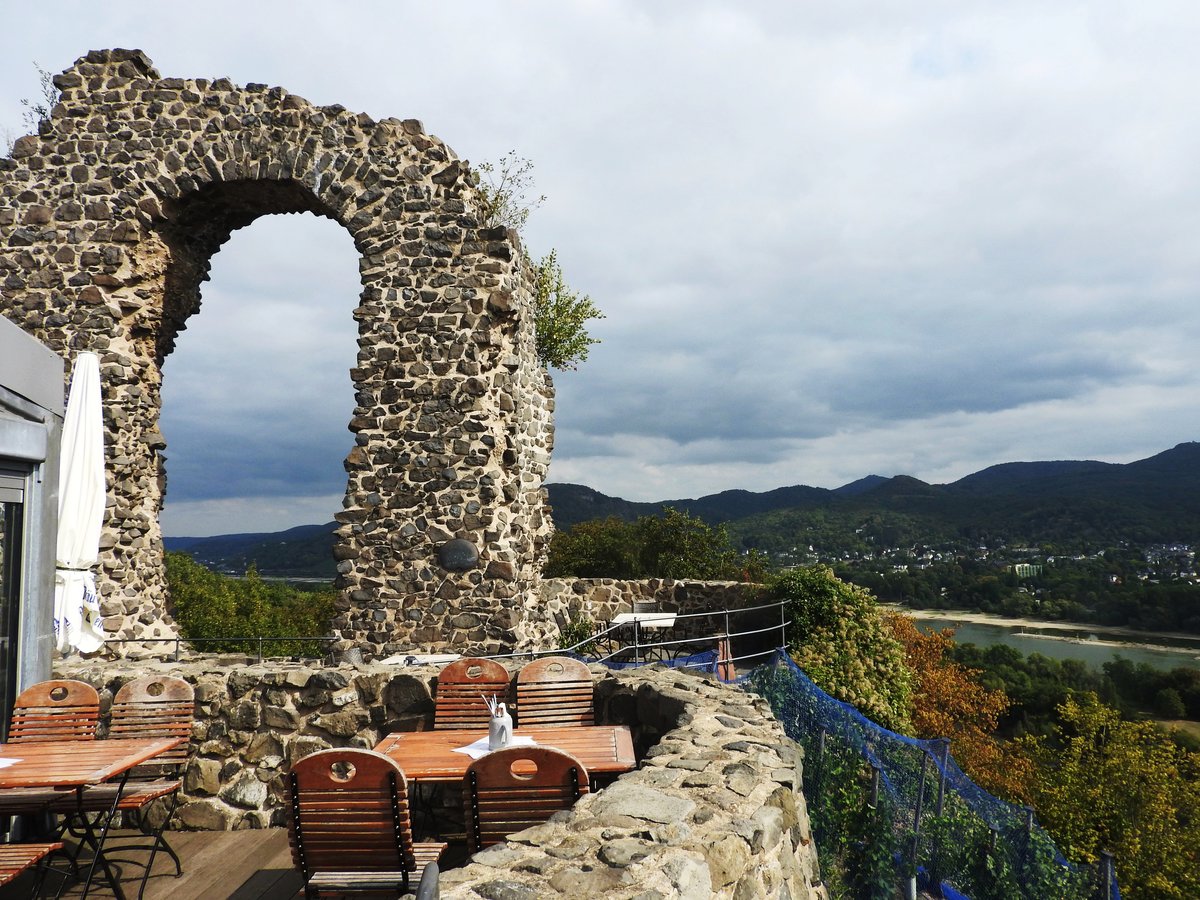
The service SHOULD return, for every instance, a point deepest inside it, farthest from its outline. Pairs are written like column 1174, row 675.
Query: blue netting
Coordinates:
column 942, row 823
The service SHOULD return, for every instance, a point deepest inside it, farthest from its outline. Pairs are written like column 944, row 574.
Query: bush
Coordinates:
column 208, row 605
column 839, row 638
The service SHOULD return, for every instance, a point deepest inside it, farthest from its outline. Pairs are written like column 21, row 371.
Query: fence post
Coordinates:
column 782, row 624
column 941, row 800
column 176, row 649
column 916, row 835
column 1106, row 875
column 874, row 801
column 260, row 650
column 819, row 780
column 637, row 633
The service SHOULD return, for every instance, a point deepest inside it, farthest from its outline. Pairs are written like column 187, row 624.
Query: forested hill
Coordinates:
column 1070, row 503
column 1061, row 502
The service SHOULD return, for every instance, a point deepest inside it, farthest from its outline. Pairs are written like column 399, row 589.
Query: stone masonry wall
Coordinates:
column 716, row 808
column 109, row 217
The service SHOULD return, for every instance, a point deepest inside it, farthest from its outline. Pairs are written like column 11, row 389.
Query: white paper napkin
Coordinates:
column 480, row 747
column 6, row 762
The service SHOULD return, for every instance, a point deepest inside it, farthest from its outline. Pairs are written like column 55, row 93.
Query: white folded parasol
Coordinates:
column 80, row 512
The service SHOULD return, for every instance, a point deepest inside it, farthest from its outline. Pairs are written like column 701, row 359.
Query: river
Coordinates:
column 1092, row 644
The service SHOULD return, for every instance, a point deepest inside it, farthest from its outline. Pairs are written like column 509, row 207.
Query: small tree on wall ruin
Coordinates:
column 109, row 218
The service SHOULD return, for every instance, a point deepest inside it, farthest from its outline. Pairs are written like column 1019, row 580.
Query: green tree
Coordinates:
column 837, row 634
column 674, row 545
column 209, row 605
column 1101, row 783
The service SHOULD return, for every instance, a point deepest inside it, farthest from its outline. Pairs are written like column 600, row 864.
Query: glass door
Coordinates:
column 12, row 509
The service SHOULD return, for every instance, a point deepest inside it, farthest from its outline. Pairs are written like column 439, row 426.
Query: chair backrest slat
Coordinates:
column 461, row 688
column 556, row 690
column 59, row 709
column 349, row 812
column 512, row 789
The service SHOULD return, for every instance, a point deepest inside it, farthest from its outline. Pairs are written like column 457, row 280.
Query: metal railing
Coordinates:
column 650, row 651
column 640, row 650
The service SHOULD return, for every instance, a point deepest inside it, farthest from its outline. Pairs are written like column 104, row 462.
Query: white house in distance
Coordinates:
column 31, row 418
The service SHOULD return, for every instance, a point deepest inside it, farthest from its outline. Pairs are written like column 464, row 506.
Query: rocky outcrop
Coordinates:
column 715, row 809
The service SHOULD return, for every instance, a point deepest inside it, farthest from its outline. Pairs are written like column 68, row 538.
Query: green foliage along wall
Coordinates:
column 674, row 545
column 208, row 605
column 839, row 638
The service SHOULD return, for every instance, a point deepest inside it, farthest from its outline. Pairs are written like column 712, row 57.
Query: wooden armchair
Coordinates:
column 349, row 824
column 556, row 690
column 512, row 789
column 154, row 706
column 461, row 687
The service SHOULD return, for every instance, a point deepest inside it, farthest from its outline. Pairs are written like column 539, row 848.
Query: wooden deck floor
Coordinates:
column 235, row 865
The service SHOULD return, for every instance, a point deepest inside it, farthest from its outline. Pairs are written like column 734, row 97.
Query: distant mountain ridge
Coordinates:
column 1157, row 498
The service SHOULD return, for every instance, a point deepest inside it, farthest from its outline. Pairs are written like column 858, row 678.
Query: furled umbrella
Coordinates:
column 81, row 497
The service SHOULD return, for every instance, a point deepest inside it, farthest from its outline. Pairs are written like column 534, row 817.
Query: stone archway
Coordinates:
column 108, row 220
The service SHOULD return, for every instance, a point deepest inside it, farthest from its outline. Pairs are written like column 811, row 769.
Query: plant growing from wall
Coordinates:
column 561, row 316
column 560, row 313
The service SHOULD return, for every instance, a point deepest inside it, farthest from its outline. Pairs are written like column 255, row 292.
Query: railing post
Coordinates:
column 260, row 650
column 874, row 801
column 782, row 624
column 177, row 642
column 637, row 634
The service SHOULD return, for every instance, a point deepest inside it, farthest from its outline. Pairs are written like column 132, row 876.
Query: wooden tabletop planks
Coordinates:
column 431, row 756
column 69, row 764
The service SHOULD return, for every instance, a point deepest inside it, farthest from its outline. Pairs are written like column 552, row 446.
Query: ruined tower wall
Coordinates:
column 108, row 220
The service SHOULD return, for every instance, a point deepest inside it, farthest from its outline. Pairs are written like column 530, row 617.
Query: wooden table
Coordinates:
column 431, row 756
column 73, row 765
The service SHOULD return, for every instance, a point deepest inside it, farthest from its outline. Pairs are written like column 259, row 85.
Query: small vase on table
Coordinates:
column 499, row 728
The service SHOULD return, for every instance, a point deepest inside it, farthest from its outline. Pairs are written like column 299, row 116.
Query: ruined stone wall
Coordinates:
column 108, row 219
column 716, row 808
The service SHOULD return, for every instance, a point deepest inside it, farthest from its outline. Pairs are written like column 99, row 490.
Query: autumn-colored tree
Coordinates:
column 1101, row 783
column 948, row 701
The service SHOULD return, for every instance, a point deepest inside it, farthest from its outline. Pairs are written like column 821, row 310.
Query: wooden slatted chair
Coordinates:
column 461, row 687
column 16, row 858
column 56, row 710
column 154, row 706
column 349, row 825
column 556, row 690
column 510, row 790
column 59, row 709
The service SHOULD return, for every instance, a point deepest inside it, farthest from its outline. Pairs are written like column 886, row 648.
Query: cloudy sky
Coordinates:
column 831, row 239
